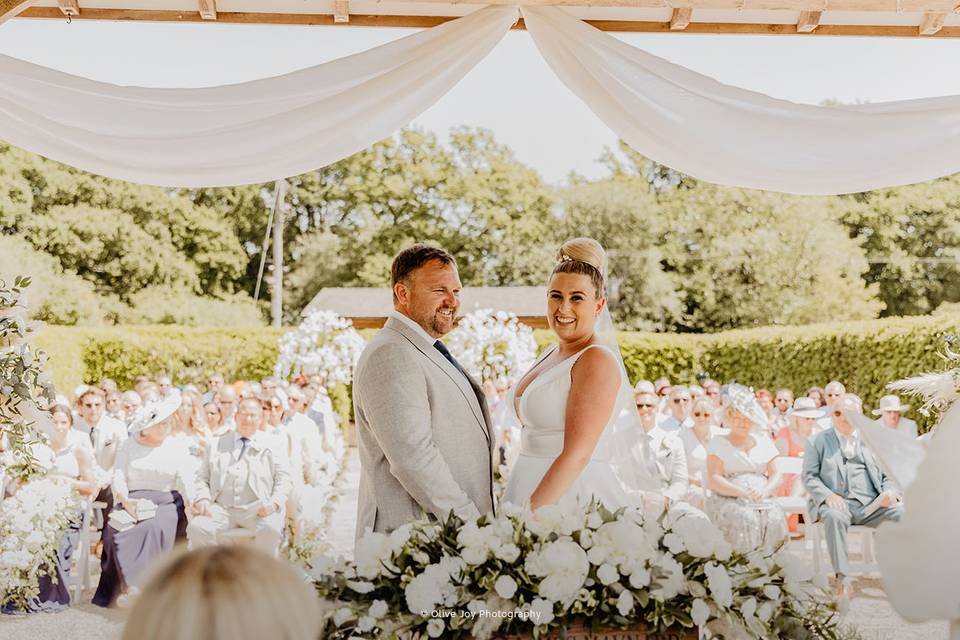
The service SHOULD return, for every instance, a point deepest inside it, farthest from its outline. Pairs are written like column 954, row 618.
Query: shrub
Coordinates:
column 167, row 305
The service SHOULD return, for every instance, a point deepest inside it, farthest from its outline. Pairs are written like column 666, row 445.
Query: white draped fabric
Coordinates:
column 251, row 132
column 278, row 127
column 732, row 136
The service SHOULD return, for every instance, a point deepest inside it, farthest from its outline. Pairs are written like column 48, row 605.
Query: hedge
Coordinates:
column 864, row 355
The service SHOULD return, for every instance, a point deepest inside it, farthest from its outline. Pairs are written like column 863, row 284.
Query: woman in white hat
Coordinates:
column 792, row 440
column 743, row 477
column 151, row 478
column 891, row 415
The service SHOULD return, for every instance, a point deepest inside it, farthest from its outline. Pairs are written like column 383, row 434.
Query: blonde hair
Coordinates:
column 584, row 256
column 212, row 593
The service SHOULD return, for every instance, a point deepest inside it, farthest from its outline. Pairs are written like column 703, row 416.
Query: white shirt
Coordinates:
column 672, row 425
column 168, row 467
column 413, row 325
column 848, row 443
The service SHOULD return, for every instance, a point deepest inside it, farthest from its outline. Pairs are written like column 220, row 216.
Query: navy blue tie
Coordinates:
column 446, row 354
column 243, row 446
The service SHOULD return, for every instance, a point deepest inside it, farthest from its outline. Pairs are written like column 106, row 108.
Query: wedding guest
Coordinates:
column 140, row 383
column 695, row 441
column 891, row 415
column 165, row 385
column 243, row 482
column 679, row 407
column 106, row 433
column 832, row 393
column 660, row 458
column 792, row 441
column 214, row 384
column 73, row 464
column 108, row 386
column 817, row 394
column 661, row 387
column 113, row 402
column 696, row 391
column 846, row 486
column 151, row 479
column 305, row 431
column 782, row 401
column 227, row 399
column 129, row 403
column 711, row 388
column 214, row 418
column 644, row 386
column 216, row 593
column 743, row 478
column 189, row 428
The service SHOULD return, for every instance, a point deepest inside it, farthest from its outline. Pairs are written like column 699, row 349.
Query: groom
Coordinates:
column 422, row 425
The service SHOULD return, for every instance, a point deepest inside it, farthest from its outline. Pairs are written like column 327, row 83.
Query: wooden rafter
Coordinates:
column 808, row 22
column 932, row 22
column 341, row 11
column 208, row 9
column 680, row 19
column 69, row 8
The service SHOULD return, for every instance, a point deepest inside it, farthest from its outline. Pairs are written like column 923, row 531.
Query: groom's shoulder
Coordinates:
column 390, row 344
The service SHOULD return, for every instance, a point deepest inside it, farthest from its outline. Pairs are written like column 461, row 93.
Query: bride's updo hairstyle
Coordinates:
column 583, row 256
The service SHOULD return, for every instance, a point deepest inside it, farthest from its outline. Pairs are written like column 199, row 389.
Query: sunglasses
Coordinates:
column 679, row 400
column 644, row 406
column 700, row 414
column 837, row 414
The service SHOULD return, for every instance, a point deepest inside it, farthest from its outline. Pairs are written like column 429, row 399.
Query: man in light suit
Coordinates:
column 424, row 435
column 660, row 456
column 846, row 486
column 243, row 482
column 891, row 415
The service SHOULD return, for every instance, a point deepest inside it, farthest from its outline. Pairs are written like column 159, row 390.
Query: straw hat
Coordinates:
column 890, row 403
column 806, row 408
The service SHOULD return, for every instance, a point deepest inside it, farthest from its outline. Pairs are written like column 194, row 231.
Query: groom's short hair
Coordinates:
column 414, row 257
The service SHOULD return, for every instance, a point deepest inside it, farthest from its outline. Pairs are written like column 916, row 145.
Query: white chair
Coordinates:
column 866, row 566
column 796, row 503
column 80, row 578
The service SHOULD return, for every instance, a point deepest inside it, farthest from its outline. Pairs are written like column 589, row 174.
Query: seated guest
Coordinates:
column 644, row 386
column 72, row 463
column 711, row 389
column 214, row 384
column 225, row 592
column 243, row 482
column 114, row 405
column 891, row 415
column 695, row 441
column 227, row 400
column 129, row 403
column 791, row 442
column 832, row 393
column 190, row 428
column 743, row 478
column 679, row 411
column 151, row 478
column 782, row 402
column 816, row 393
column 213, row 417
column 846, row 486
column 660, row 459
column 765, row 400
column 305, row 431
column 662, row 388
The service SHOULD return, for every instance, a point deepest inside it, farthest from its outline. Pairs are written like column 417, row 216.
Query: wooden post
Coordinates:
column 276, row 299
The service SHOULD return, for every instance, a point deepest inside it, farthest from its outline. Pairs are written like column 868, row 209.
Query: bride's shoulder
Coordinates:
column 597, row 360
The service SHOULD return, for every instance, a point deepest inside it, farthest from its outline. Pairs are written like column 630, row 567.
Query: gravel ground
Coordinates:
column 869, row 612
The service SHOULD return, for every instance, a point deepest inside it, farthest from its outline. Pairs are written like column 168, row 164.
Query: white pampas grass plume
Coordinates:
column 938, row 390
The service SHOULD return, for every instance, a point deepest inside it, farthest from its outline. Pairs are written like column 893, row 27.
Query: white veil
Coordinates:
column 627, row 430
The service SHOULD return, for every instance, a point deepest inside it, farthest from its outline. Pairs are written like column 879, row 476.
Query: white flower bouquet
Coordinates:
column 523, row 573
column 493, row 346
column 32, row 523
column 323, row 343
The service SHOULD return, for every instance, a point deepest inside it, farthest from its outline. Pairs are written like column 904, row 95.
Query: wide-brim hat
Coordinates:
column 153, row 413
column 890, row 403
column 806, row 408
column 743, row 400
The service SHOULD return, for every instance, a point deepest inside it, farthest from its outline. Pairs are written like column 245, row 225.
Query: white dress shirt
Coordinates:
column 168, row 467
column 413, row 325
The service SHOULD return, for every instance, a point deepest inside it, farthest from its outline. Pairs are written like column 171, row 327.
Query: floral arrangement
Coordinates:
column 938, row 390
column 493, row 346
column 25, row 388
column 323, row 343
column 32, row 523
column 532, row 573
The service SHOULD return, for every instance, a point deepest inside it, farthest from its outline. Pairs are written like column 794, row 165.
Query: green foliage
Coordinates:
column 56, row 296
column 164, row 305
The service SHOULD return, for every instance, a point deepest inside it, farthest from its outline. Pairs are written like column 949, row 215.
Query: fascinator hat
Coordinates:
column 153, row 413
column 742, row 400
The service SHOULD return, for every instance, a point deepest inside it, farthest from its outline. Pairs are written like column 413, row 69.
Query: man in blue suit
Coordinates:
column 846, row 485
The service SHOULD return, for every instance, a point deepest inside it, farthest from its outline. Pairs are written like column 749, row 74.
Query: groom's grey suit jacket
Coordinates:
column 824, row 470
column 423, row 433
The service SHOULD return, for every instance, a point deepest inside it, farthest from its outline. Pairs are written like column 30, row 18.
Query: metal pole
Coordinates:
column 276, row 299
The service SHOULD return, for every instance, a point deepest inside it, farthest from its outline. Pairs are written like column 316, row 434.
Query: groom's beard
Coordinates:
column 436, row 324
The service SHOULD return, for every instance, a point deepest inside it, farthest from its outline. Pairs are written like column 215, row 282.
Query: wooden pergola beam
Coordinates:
column 808, row 22
column 69, row 8
column 426, row 21
column 341, row 11
column 932, row 22
column 680, row 19
column 208, row 9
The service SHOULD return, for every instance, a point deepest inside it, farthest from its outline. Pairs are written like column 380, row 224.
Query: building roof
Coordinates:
column 891, row 18
column 367, row 302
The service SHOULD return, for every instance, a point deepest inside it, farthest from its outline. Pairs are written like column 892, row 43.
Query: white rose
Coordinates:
column 435, row 628
column 542, row 611
column 625, row 603
column 505, row 586
column 700, row 612
column 366, row 623
column 640, row 578
column 507, row 552
column 341, row 615
column 360, row 586
column 378, row 609
column 607, row 574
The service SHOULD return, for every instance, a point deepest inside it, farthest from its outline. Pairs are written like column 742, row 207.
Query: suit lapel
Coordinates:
column 467, row 386
column 838, row 454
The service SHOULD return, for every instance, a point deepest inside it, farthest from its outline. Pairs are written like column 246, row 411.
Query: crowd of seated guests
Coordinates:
column 171, row 465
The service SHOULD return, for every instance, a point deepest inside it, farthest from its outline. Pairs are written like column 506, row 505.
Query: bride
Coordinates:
column 570, row 400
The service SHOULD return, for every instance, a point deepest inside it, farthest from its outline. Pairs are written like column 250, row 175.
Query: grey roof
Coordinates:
column 369, row 302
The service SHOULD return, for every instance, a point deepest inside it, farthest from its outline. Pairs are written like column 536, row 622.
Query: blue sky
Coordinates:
column 512, row 92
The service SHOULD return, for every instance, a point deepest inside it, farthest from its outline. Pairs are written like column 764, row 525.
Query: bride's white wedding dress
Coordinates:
column 542, row 410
